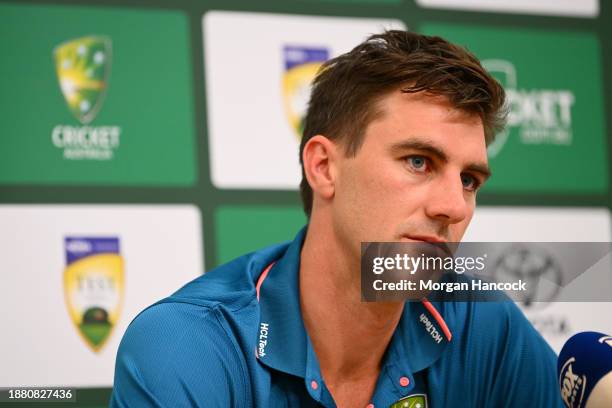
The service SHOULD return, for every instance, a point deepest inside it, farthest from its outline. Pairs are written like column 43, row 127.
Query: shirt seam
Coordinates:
column 208, row 304
column 239, row 354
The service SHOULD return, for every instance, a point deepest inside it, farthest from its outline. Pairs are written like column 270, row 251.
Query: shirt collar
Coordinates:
column 420, row 338
column 286, row 342
column 283, row 344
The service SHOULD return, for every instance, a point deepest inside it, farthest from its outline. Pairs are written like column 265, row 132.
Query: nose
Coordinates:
column 447, row 201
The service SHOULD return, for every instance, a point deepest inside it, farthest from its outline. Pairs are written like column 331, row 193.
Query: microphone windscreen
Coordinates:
column 585, row 370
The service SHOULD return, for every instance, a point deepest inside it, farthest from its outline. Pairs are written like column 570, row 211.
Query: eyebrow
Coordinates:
column 424, row 146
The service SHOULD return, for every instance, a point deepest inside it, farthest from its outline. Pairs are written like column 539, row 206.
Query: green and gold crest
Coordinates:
column 93, row 287
column 83, row 69
column 411, row 401
column 505, row 73
column 301, row 67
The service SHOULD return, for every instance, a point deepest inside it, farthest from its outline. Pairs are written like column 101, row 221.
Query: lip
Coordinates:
column 425, row 238
column 442, row 243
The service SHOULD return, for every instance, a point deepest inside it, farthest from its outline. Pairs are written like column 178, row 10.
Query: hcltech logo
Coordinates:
column 83, row 70
column 93, row 287
column 263, row 339
column 301, row 67
column 536, row 116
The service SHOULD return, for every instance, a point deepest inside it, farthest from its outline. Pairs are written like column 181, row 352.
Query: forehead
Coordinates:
column 425, row 118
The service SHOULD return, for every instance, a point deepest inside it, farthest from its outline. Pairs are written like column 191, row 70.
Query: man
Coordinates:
column 394, row 149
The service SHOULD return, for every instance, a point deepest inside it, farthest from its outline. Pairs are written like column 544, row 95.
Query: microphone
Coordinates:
column 585, row 371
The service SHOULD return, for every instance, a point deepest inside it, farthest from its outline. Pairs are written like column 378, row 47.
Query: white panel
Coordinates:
column 556, row 321
column 162, row 249
column 252, row 144
column 575, row 8
column 539, row 224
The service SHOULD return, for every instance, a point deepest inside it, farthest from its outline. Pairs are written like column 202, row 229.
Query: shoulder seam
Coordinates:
column 239, row 354
column 205, row 304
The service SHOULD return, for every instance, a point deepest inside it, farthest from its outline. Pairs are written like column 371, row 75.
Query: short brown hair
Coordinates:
column 346, row 88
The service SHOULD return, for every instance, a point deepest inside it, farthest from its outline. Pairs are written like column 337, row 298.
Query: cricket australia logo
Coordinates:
column 83, row 69
column 537, row 116
column 412, row 401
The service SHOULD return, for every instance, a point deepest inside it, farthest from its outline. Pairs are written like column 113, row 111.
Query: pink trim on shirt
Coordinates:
column 425, row 302
column 438, row 318
column 262, row 277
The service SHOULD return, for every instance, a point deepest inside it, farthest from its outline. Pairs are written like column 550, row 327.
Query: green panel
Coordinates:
column 243, row 229
column 555, row 141
column 124, row 115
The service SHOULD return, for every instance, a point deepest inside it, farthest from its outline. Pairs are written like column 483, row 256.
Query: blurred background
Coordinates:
column 144, row 142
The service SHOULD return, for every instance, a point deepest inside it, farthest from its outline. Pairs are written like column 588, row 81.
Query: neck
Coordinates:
column 349, row 336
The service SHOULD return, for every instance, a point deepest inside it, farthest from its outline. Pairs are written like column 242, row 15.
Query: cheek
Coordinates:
column 395, row 191
column 404, row 193
column 382, row 191
column 364, row 203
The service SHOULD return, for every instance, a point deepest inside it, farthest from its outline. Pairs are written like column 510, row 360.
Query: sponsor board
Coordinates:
column 74, row 276
column 243, row 229
column 556, row 321
column 89, row 100
column 572, row 8
column 258, row 72
column 555, row 108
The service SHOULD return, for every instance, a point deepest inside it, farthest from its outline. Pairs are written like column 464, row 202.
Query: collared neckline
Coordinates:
column 283, row 343
column 286, row 341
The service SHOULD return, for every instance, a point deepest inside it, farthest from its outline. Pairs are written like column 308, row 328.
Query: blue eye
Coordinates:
column 469, row 182
column 417, row 162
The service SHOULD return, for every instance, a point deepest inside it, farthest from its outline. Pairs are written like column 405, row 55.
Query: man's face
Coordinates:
column 414, row 177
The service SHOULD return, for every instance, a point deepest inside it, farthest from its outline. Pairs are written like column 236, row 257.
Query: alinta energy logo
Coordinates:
column 83, row 69
column 93, row 286
column 301, row 66
column 536, row 116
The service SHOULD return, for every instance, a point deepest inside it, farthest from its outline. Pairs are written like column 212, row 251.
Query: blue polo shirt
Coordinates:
column 234, row 337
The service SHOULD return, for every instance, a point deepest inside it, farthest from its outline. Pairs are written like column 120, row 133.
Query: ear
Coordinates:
column 319, row 158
